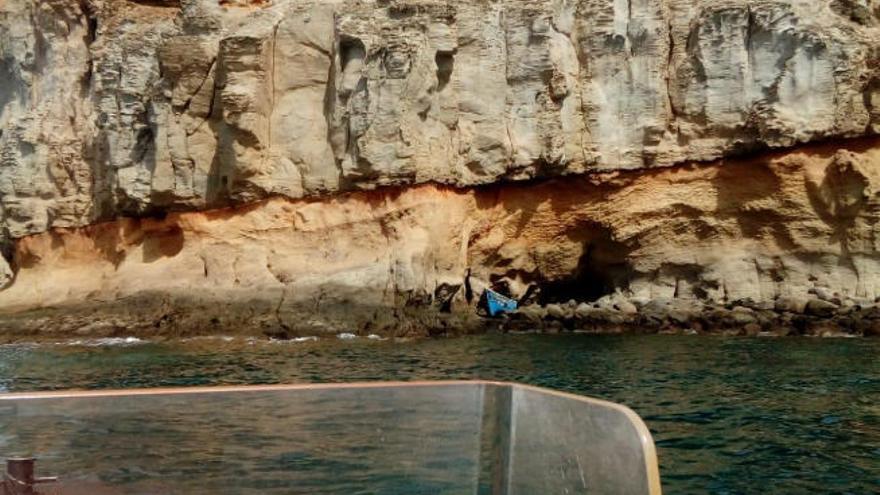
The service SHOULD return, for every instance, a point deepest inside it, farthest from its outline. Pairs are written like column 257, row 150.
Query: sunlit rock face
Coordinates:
column 401, row 260
column 138, row 108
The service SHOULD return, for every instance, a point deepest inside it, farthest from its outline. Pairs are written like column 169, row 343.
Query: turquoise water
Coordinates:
column 729, row 415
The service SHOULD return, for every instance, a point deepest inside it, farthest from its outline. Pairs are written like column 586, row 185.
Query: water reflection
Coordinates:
column 728, row 415
column 451, row 437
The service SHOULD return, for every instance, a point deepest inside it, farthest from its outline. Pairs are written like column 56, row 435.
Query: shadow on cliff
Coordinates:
column 750, row 193
column 602, row 268
column 112, row 242
column 553, row 219
column 840, row 196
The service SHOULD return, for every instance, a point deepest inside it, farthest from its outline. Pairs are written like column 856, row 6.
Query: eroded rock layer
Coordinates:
column 125, row 107
column 285, row 155
column 792, row 228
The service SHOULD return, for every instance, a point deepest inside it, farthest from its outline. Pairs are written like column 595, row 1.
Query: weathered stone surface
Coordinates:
column 677, row 238
column 791, row 304
column 6, row 274
column 557, row 312
column 818, row 307
column 127, row 126
column 129, row 107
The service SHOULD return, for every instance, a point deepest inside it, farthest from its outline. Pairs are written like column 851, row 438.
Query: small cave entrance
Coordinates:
column 602, row 268
column 351, row 50
column 445, row 61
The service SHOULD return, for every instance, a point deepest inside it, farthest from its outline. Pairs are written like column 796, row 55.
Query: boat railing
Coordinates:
column 477, row 437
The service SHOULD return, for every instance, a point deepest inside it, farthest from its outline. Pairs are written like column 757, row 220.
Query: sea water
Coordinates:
column 728, row 415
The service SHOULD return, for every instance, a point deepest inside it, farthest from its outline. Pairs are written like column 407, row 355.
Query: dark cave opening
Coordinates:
column 602, row 268
column 351, row 49
column 9, row 87
column 445, row 61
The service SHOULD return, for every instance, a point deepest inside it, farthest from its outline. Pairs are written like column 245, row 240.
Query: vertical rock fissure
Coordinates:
column 330, row 99
column 670, row 68
column 272, row 95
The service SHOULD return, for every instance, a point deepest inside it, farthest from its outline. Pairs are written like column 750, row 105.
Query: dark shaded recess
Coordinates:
column 163, row 245
column 7, row 249
column 90, row 12
column 873, row 85
column 93, row 29
column 351, row 49
column 602, row 268
column 445, row 64
column 404, row 10
column 144, row 145
column 855, row 11
column 468, row 289
column 7, row 82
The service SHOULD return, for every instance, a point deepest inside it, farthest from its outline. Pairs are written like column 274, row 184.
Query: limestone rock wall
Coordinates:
column 404, row 260
column 463, row 117
column 115, row 107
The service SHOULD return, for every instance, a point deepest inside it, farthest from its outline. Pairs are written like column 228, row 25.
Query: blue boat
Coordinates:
column 497, row 304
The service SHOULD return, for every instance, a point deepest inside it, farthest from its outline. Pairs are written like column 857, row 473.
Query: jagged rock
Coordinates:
column 556, row 311
column 616, row 302
column 583, row 310
column 445, row 291
column 873, row 329
column 741, row 315
column 382, row 249
column 478, row 286
column 819, row 307
column 533, row 313
column 626, row 307
column 825, row 294
column 791, row 304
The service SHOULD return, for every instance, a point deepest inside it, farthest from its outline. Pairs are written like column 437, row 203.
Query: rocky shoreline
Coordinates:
column 160, row 316
column 821, row 314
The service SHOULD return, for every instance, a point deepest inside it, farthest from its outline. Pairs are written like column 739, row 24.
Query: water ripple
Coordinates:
column 729, row 415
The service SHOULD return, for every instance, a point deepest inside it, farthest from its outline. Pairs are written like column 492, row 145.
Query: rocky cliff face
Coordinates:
column 187, row 152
